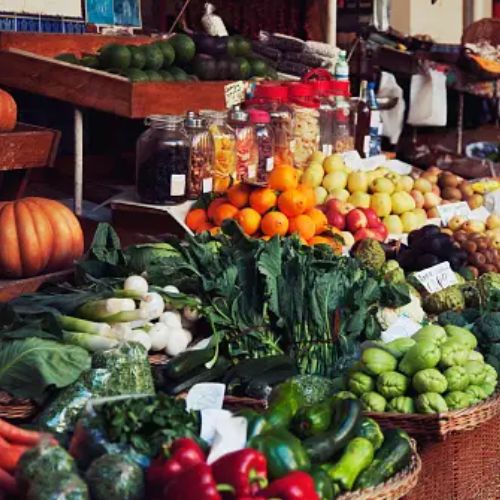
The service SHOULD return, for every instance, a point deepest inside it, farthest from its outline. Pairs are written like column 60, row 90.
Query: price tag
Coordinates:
column 206, row 396
column 211, row 421
column 437, row 278
column 481, row 214
column 352, row 159
column 230, row 435
column 234, row 93
column 327, row 149
column 447, row 212
column 402, row 327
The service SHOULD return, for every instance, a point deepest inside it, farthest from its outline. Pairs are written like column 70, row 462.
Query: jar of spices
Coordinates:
column 162, row 161
column 224, row 139
column 307, row 130
column 265, row 142
column 246, row 144
column 273, row 98
column 201, row 159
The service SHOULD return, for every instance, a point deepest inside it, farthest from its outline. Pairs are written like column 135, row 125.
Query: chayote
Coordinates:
column 424, row 354
column 429, row 380
column 453, row 353
column 431, row 402
column 432, row 333
column 401, row 404
column 456, row 400
column 466, row 338
column 376, row 361
column 457, row 378
column 373, row 401
column 392, row 384
column 360, row 382
column 476, row 371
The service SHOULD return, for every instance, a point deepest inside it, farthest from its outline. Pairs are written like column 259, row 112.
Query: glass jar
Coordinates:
column 265, row 142
column 224, row 169
column 343, row 130
column 246, row 144
column 272, row 97
column 327, row 109
column 201, row 159
column 162, row 161
column 307, row 130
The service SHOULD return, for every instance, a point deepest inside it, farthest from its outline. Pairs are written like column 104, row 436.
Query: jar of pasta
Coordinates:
column 224, row 139
column 246, row 144
column 307, row 130
column 201, row 158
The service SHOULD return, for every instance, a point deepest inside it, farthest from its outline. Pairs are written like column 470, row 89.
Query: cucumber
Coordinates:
column 187, row 362
column 346, row 419
column 391, row 458
column 201, row 375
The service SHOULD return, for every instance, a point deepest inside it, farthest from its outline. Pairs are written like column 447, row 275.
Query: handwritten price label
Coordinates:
column 447, row 212
column 234, row 93
column 402, row 327
column 437, row 278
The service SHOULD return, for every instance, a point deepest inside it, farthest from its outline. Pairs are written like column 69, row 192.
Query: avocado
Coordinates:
column 153, row 76
column 115, row 57
column 179, row 74
column 204, row 67
column 154, row 57
column 259, row 67
column 166, row 75
column 136, row 75
column 184, row 47
column 168, row 53
column 138, row 57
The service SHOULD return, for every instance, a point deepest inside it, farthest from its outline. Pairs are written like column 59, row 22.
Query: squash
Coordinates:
column 8, row 112
column 37, row 235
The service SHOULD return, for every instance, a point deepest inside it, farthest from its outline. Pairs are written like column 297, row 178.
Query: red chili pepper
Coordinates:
column 245, row 470
column 184, row 454
column 197, row 483
column 295, row 486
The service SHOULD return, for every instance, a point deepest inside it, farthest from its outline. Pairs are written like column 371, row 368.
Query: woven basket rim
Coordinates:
column 394, row 488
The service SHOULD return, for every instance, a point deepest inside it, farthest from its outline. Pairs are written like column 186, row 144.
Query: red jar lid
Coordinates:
column 301, row 89
column 259, row 116
column 322, row 87
column 271, row 91
column 340, row 87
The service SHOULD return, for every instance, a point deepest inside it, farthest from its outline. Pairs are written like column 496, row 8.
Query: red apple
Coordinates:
column 334, row 204
column 381, row 231
column 372, row 217
column 356, row 219
column 336, row 219
column 364, row 233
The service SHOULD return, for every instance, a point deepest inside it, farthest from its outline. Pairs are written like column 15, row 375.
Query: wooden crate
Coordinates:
column 28, row 146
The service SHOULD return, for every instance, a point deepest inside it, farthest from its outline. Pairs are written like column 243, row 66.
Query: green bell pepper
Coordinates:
column 256, row 423
column 312, row 420
column 284, row 404
column 323, row 483
column 284, row 452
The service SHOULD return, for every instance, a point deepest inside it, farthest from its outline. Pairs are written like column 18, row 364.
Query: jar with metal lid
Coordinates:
column 343, row 130
column 201, row 158
column 224, row 139
column 162, row 161
column 265, row 142
column 307, row 130
column 246, row 144
column 327, row 109
column 273, row 98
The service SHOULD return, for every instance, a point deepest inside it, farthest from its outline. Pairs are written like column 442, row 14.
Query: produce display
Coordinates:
column 8, row 112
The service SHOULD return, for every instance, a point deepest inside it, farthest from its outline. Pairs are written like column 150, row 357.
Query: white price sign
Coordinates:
column 437, row 278
column 234, row 93
column 402, row 327
column 447, row 212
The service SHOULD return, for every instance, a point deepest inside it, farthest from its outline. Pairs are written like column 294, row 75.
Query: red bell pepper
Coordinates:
column 245, row 470
column 197, row 483
column 294, row 486
column 184, row 453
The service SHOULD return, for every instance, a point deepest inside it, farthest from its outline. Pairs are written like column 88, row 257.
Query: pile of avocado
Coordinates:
column 181, row 58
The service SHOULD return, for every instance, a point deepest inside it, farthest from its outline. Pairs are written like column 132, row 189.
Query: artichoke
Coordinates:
column 449, row 299
column 488, row 285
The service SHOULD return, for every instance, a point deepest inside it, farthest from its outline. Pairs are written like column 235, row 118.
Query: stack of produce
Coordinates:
column 435, row 371
column 8, row 116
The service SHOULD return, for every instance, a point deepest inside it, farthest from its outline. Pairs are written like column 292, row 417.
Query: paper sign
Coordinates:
column 352, row 160
column 447, row 212
column 229, row 437
column 402, row 327
column 481, row 213
column 234, row 93
column 206, row 396
column 211, row 420
column 373, row 162
column 437, row 278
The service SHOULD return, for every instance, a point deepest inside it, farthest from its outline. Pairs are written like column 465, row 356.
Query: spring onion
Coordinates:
column 171, row 289
column 137, row 284
column 153, row 304
column 128, row 316
column 101, row 310
column 82, row 325
column 172, row 319
column 178, row 340
column 159, row 334
column 139, row 336
column 90, row 342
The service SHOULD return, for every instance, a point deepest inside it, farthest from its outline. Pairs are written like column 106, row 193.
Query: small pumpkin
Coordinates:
column 8, row 112
column 37, row 235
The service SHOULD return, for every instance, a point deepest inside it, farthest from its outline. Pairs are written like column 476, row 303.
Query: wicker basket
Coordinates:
column 12, row 408
column 438, row 426
column 397, row 487
column 158, row 359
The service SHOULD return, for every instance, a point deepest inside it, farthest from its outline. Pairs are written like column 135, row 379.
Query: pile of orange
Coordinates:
column 284, row 207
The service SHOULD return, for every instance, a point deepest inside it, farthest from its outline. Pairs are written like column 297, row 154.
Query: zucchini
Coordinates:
column 187, row 362
column 391, row 458
column 312, row 420
column 346, row 419
column 201, row 375
column 248, row 369
column 261, row 387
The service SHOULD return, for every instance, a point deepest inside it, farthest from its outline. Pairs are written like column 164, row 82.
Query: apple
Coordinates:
column 421, row 216
column 339, row 194
column 429, row 176
column 393, row 224
column 423, row 185
column 418, row 197
column 410, row 221
column 405, row 183
column 381, row 203
column 317, row 156
column 493, row 221
column 365, row 233
column 336, row 219
column 359, row 199
column 402, row 202
column 381, row 230
column 320, row 193
column 474, row 226
column 432, row 213
column 436, row 190
column 372, row 217
column 335, row 204
column 355, row 220
column 335, row 180
column 312, row 177
column 456, row 222
column 357, row 181
column 382, row 185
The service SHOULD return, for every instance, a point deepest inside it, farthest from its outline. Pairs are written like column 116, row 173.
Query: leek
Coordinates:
column 101, row 310
column 82, row 325
column 92, row 343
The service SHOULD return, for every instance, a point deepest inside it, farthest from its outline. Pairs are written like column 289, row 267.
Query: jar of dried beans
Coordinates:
column 265, row 142
column 162, row 161
column 246, row 144
column 201, row 159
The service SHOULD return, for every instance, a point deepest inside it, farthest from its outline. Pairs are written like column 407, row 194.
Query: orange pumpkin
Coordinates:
column 37, row 235
column 8, row 112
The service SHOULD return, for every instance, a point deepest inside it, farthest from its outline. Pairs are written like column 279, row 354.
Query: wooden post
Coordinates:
column 78, row 122
column 331, row 32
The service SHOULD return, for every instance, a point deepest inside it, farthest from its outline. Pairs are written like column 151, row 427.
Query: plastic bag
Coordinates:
column 428, row 101
column 58, row 486
column 212, row 23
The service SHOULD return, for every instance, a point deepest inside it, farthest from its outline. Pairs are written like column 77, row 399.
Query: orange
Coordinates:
column 214, row 230
column 195, row 218
column 283, row 178
column 204, row 226
column 249, row 220
column 274, row 223
column 309, row 195
column 319, row 219
column 213, row 206
column 303, row 226
column 263, row 199
column 238, row 195
column 335, row 245
column 223, row 212
column 265, row 237
column 292, row 203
